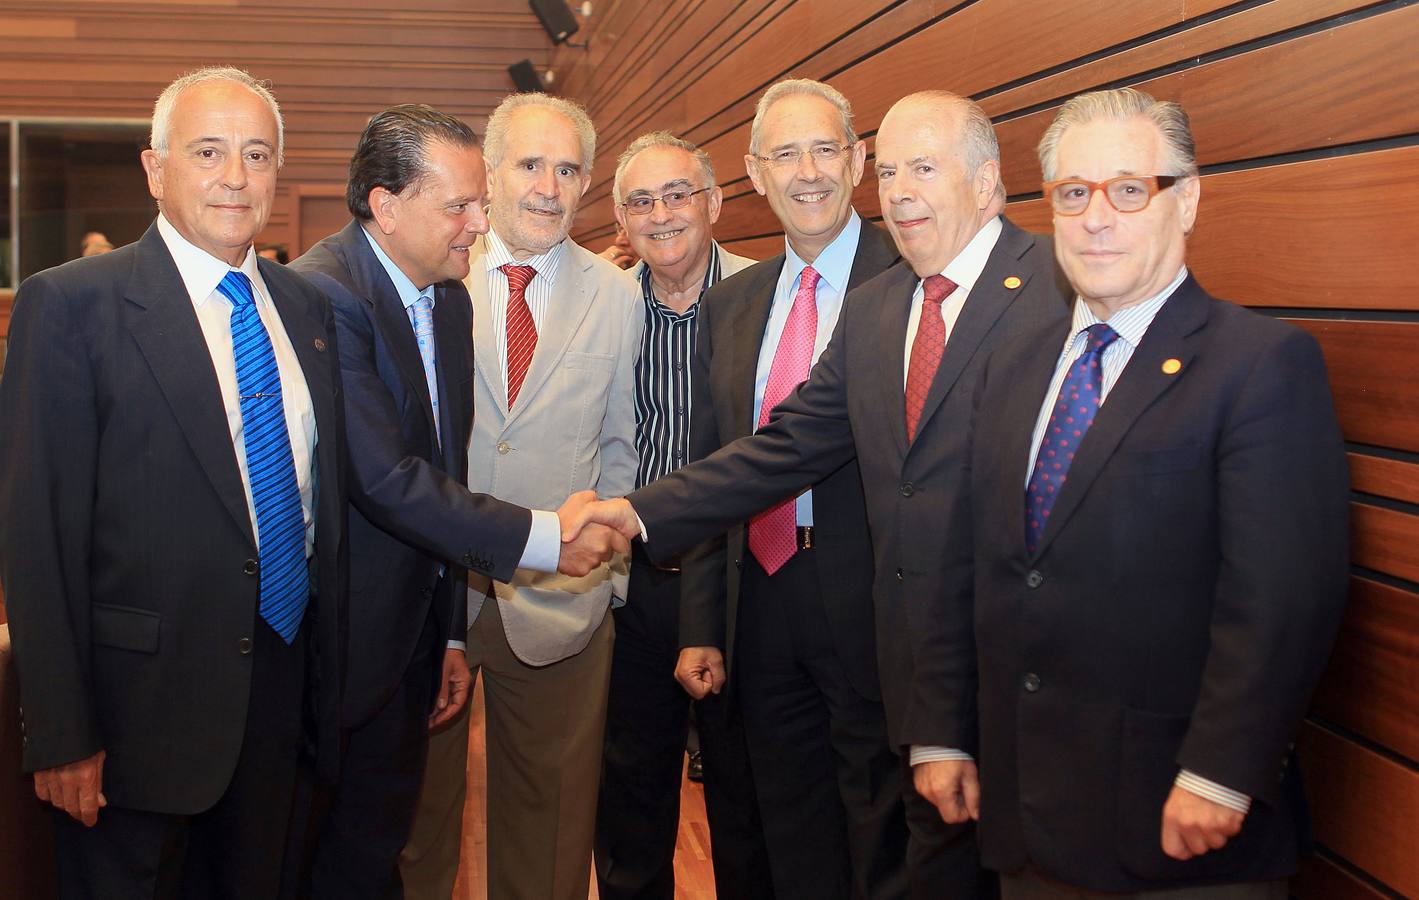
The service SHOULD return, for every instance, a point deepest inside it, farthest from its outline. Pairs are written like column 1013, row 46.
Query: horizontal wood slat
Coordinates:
column 1321, row 879
column 1374, row 379
column 1364, row 806
column 1369, row 685
column 1385, row 477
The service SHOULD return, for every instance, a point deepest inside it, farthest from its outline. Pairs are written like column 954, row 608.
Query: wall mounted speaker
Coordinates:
column 556, row 17
column 524, row 77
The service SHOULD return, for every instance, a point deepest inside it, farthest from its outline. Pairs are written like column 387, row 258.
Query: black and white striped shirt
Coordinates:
column 663, row 380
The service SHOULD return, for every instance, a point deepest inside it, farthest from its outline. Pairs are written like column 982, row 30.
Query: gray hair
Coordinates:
column 162, row 110
column 495, row 135
column 801, row 87
column 977, row 137
column 660, row 139
column 1123, row 103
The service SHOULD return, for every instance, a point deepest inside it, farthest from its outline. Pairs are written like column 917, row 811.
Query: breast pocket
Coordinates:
column 587, row 377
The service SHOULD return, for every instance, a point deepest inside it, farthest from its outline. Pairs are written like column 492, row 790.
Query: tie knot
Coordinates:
column 236, row 287
column 1100, row 336
column 937, row 288
column 808, row 281
column 424, row 301
column 518, row 277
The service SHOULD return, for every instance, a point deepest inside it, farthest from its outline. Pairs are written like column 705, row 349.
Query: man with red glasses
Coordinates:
column 1162, row 564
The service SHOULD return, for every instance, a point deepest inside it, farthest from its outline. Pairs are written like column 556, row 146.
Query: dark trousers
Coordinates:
column 1032, row 884
column 829, row 785
column 345, row 839
column 232, row 850
column 647, row 721
column 943, row 861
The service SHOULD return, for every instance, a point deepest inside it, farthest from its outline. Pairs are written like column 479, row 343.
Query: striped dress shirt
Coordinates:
column 663, row 379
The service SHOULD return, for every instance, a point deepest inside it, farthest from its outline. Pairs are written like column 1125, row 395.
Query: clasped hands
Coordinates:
column 593, row 530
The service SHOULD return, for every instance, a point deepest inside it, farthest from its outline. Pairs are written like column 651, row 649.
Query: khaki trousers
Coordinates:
column 545, row 727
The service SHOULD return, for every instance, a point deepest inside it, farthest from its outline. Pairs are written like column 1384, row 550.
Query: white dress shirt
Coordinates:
column 201, row 273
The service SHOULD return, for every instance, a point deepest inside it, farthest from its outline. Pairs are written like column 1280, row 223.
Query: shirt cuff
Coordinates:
column 640, row 523
column 1211, row 790
column 925, row 753
column 458, row 645
column 544, row 542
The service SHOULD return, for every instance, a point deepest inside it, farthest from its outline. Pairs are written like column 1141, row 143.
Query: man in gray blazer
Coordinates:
column 556, row 333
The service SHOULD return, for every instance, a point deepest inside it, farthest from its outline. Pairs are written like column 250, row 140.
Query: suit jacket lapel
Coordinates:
column 389, row 312
column 307, row 333
column 984, row 306
column 1030, row 372
column 449, row 347
column 572, row 298
column 1142, row 382
column 485, row 349
column 171, row 341
column 896, row 305
column 751, row 317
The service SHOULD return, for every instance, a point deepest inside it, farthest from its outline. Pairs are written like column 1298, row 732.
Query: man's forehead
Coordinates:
column 655, row 168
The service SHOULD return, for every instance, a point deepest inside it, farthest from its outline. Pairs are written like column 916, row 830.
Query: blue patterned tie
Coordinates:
column 270, row 466
column 424, row 335
column 1074, row 412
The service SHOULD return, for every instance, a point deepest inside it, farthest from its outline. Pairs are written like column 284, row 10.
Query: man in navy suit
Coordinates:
column 1160, row 541
column 173, row 596
column 417, row 188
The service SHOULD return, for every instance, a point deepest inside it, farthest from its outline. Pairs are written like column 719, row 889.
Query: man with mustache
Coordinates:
column 556, row 333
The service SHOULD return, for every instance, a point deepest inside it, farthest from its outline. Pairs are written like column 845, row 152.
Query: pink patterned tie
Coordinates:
column 773, row 534
column 521, row 330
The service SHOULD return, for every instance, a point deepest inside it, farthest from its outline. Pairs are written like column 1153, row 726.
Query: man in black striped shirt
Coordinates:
column 667, row 202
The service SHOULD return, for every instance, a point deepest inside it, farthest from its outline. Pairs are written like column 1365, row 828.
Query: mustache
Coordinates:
column 555, row 208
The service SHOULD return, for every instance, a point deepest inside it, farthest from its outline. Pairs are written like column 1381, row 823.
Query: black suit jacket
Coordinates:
column 853, row 404
column 127, row 544
column 411, row 514
column 1180, row 606
column 733, row 316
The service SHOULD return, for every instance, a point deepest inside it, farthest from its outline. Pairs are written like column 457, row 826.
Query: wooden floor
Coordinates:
column 694, row 877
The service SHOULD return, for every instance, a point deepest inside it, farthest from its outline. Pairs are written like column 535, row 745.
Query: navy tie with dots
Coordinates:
column 270, row 465
column 1074, row 411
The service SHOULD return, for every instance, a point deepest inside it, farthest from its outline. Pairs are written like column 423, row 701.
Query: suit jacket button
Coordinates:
column 1031, row 682
column 1034, row 579
column 319, row 345
column 503, row 447
column 738, row 563
column 900, row 577
column 250, row 567
column 244, row 646
column 468, row 559
column 907, row 489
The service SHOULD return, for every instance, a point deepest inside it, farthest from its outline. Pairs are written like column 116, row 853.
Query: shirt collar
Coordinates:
column 497, row 254
column 834, row 264
column 965, row 270
column 201, row 271
column 409, row 292
column 1130, row 323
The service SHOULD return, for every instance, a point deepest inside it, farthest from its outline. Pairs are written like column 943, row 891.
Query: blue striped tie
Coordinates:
column 424, row 336
column 270, row 467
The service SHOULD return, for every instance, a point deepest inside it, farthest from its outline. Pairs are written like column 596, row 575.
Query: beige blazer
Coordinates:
column 572, row 429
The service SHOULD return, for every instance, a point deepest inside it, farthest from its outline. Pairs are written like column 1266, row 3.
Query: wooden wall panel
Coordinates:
column 1307, row 138
column 331, row 64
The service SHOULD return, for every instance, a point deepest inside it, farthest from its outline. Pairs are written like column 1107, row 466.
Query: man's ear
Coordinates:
column 385, row 207
column 716, row 202
column 751, row 165
column 153, row 166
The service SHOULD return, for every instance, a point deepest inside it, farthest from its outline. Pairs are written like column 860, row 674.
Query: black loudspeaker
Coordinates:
column 556, row 17
column 524, row 77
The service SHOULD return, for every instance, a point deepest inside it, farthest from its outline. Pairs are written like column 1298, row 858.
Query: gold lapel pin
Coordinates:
column 1013, row 282
column 1172, row 366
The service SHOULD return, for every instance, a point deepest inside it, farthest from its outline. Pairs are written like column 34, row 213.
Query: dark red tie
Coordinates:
column 521, row 331
column 927, row 348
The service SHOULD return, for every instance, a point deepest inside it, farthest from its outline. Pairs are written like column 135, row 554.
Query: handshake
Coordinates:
column 593, row 530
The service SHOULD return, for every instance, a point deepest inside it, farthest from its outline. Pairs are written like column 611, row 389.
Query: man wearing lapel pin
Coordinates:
column 556, row 331
column 893, row 389
column 1162, row 564
column 172, row 487
column 394, row 278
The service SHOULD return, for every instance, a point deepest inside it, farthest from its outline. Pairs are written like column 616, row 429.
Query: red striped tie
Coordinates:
column 927, row 348
column 521, row 330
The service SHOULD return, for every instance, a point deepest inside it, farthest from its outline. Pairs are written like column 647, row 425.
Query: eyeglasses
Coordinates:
column 1126, row 193
column 821, row 154
column 642, row 204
